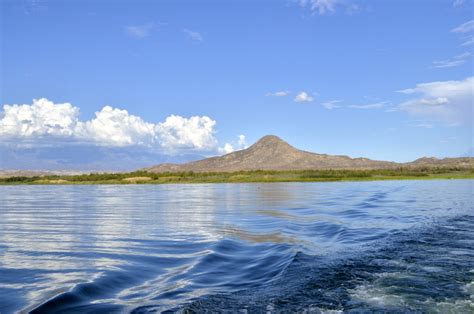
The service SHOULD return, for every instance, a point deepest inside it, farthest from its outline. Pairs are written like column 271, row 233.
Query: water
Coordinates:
column 396, row 246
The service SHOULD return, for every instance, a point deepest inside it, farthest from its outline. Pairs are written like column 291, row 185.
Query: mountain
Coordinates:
column 83, row 158
column 272, row 153
column 463, row 162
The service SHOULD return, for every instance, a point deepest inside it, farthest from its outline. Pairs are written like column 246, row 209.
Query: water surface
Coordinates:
column 393, row 246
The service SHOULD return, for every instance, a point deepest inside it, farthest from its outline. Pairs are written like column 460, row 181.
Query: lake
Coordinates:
column 393, row 246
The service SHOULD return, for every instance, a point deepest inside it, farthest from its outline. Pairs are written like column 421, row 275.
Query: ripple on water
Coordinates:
column 321, row 247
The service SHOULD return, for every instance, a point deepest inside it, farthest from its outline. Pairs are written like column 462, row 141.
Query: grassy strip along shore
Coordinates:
column 143, row 177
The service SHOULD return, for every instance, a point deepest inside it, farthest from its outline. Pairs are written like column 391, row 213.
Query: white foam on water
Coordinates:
column 469, row 288
column 318, row 310
column 376, row 296
column 432, row 269
column 458, row 306
column 324, row 311
column 395, row 275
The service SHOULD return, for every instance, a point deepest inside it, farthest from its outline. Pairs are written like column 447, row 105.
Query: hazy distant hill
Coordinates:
column 272, row 153
column 83, row 158
column 463, row 162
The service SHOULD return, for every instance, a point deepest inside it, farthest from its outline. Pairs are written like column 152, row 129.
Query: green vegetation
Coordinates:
column 143, row 177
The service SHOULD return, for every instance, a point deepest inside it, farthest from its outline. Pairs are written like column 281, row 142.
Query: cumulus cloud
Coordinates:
column 112, row 127
column 445, row 101
column 377, row 105
column 229, row 148
column 116, row 127
column 193, row 35
column 449, row 63
column 40, row 119
column 183, row 133
column 282, row 93
column 242, row 142
column 331, row 104
column 303, row 97
column 139, row 31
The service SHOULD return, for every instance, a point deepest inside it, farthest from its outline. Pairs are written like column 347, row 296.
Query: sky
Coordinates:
column 124, row 84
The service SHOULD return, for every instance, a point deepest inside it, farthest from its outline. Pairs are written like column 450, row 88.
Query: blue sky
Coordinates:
column 387, row 80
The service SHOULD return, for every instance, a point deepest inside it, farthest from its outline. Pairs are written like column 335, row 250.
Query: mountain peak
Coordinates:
column 270, row 141
column 270, row 138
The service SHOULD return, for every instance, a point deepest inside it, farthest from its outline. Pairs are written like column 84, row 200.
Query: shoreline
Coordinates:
column 259, row 176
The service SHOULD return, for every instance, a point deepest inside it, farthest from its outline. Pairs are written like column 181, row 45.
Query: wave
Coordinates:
column 182, row 280
column 430, row 270
column 426, row 269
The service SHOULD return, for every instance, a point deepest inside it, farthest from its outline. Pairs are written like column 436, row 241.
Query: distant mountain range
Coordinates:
column 272, row 153
column 83, row 158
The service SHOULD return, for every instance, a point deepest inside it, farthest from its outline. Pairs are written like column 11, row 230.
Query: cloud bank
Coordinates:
column 44, row 122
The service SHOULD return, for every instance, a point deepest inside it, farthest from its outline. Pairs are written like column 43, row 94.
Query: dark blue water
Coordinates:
column 399, row 246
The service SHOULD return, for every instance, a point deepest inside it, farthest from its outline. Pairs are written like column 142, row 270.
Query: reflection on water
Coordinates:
column 157, row 247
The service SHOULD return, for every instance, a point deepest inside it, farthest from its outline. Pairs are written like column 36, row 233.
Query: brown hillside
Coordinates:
column 272, row 153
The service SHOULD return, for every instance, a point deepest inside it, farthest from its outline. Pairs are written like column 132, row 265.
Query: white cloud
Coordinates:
column 44, row 120
column 464, row 28
column 331, row 104
column 279, row 93
column 445, row 101
column 229, row 148
column 435, row 101
column 193, row 35
column 183, row 133
column 321, row 6
column 115, row 127
column 449, row 63
column 458, row 3
column 139, row 31
column 303, row 97
column 242, row 142
column 377, row 105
